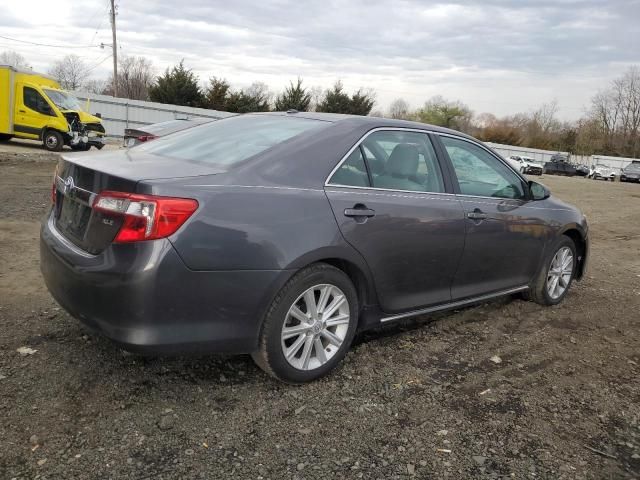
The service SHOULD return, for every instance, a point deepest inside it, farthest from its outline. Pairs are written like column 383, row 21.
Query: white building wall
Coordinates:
column 535, row 153
column 120, row 113
column 614, row 162
column 545, row 156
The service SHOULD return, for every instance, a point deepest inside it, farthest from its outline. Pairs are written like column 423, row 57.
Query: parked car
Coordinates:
column 525, row 165
column 559, row 167
column 559, row 157
column 603, row 172
column 136, row 136
column 582, row 170
column 282, row 234
column 631, row 173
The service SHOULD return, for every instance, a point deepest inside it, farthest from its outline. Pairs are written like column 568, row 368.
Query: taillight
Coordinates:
column 146, row 138
column 145, row 217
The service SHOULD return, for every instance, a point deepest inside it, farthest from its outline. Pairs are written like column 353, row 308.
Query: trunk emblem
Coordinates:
column 68, row 185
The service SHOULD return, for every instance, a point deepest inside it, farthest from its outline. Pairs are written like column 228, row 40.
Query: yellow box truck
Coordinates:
column 34, row 106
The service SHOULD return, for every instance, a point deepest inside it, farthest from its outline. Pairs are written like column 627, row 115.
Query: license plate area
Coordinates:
column 73, row 218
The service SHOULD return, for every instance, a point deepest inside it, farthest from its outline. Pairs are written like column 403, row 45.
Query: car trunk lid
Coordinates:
column 80, row 178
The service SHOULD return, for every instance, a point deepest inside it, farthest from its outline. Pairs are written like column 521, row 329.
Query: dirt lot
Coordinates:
column 419, row 400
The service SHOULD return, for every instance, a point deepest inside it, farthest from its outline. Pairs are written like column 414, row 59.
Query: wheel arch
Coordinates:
column 579, row 238
column 351, row 263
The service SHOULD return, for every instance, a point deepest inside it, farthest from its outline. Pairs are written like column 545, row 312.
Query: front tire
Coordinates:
column 52, row 141
column 556, row 274
column 309, row 326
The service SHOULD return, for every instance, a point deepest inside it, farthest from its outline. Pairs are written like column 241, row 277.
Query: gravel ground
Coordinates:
column 506, row 389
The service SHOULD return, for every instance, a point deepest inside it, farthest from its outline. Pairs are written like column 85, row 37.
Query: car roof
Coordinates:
column 374, row 122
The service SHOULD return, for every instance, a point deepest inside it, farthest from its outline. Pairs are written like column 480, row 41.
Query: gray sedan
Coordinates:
column 283, row 234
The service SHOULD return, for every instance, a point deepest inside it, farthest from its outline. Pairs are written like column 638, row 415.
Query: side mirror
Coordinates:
column 538, row 191
column 99, row 115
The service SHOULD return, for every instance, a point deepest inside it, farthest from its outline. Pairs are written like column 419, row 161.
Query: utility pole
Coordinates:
column 114, row 45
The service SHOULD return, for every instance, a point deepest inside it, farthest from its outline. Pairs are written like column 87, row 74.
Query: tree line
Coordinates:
column 610, row 126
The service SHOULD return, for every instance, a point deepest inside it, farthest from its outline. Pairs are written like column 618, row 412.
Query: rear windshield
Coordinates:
column 230, row 140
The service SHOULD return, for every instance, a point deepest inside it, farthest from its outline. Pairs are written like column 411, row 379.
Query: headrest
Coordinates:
column 403, row 160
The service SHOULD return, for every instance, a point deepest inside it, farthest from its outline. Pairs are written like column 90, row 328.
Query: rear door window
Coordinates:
column 352, row 172
column 402, row 160
column 231, row 140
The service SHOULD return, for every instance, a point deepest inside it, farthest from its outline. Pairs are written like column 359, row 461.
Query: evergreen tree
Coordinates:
column 216, row 95
column 337, row 100
column 361, row 103
column 178, row 86
column 253, row 99
column 294, row 97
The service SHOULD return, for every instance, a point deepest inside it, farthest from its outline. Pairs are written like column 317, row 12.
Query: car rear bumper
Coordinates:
column 143, row 297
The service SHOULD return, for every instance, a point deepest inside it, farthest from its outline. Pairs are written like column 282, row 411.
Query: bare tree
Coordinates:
column 71, row 72
column 617, row 111
column 541, row 127
column 135, row 76
column 94, row 86
column 446, row 113
column 545, row 116
column 317, row 96
column 260, row 91
column 399, row 108
column 14, row 59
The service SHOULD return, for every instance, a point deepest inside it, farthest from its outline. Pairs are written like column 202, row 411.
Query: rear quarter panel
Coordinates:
column 257, row 228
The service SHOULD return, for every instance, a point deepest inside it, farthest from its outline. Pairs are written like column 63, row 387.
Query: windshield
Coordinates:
column 63, row 100
column 633, row 166
column 230, row 140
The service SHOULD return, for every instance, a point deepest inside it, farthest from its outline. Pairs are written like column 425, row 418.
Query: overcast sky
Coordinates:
column 497, row 56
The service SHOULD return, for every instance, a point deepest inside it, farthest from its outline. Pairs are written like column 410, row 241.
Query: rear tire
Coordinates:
column 298, row 345
column 5, row 137
column 52, row 141
column 542, row 291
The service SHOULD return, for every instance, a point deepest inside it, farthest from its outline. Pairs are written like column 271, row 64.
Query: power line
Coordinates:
column 47, row 44
column 93, row 67
column 101, row 21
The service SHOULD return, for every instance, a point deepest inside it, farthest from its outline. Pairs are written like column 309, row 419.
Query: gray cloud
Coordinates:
column 495, row 55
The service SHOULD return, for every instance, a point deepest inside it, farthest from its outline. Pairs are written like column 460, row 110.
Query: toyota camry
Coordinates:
column 283, row 234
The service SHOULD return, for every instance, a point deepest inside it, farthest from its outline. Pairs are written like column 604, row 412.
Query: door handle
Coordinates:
column 359, row 210
column 22, row 111
column 477, row 214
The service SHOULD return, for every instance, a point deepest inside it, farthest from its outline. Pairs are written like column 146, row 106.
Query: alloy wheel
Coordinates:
column 52, row 141
column 559, row 274
column 315, row 327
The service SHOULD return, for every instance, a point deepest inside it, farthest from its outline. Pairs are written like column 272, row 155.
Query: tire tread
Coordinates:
column 261, row 356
